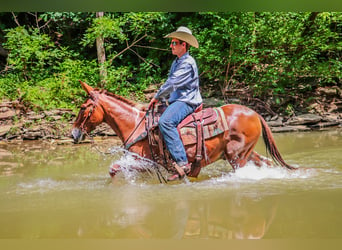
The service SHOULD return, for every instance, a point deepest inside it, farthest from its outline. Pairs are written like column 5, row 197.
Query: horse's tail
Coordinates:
column 271, row 147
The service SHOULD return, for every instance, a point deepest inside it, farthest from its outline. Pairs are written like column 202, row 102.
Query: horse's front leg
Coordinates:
column 116, row 168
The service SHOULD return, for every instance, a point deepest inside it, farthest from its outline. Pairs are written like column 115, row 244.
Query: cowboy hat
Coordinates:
column 184, row 34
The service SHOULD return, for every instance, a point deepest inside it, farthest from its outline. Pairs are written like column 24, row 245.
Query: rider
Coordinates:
column 182, row 90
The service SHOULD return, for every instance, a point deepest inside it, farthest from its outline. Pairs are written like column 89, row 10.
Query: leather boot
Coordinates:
column 179, row 172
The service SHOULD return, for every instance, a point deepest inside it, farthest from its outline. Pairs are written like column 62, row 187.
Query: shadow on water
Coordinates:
column 50, row 191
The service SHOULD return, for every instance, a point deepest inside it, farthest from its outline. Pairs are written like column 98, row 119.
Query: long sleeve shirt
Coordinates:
column 182, row 83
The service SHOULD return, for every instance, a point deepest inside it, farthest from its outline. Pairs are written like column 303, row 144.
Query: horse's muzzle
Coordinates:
column 77, row 134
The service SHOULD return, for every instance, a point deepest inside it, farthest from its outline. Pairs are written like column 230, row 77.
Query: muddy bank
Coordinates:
column 19, row 123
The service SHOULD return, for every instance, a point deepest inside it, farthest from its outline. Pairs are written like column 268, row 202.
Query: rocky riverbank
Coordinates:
column 19, row 123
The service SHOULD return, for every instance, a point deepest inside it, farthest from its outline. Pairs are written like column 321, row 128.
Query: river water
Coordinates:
column 55, row 191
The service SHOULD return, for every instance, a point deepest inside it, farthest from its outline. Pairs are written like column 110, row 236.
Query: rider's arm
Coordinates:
column 178, row 79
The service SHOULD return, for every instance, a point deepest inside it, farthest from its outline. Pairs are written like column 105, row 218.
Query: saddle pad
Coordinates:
column 207, row 115
column 188, row 133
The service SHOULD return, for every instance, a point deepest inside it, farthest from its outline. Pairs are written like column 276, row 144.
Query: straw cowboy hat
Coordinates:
column 184, row 34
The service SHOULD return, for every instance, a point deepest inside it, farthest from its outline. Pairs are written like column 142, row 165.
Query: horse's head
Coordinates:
column 90, row 115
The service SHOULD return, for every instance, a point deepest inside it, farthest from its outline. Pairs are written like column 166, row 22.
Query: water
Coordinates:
column 64, row 191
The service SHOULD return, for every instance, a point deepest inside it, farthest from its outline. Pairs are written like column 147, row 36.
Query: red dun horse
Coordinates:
column 235, row 144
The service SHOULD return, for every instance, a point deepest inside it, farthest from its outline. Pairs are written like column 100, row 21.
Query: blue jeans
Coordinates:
column 168, row 123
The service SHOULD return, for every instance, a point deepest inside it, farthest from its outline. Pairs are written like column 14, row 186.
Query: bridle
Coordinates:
column 81, row 127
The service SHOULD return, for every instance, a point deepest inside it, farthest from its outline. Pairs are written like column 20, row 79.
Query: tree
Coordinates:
column 272, row 56
column 101, row 54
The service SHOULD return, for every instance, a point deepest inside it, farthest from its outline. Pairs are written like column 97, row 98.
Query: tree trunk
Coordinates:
column 101, row 55
column 309, row 23
column 307, row 31
column 3, row 52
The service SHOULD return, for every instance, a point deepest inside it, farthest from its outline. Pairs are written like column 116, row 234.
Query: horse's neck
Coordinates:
column 122, row 117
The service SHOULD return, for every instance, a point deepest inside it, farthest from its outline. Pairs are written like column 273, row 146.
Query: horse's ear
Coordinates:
column 86, row 87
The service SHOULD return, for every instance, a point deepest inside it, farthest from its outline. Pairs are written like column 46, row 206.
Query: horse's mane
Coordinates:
column 123, row 99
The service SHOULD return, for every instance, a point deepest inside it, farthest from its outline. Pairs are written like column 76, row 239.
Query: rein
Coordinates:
column 135, row 129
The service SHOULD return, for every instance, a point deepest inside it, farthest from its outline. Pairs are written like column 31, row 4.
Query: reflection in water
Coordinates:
column 133, row 215
column 242, row 218
column 50, row 191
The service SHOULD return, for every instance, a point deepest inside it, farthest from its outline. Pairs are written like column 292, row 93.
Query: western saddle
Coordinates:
column 195, row 123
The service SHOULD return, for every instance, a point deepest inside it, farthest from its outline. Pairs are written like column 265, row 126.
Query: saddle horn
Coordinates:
column 86, row 87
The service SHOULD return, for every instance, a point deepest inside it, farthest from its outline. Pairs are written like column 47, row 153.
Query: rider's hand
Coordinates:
column 152, row 102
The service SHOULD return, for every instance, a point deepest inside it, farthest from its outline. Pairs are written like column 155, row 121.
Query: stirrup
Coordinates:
column 176, row 175
column 187, row 168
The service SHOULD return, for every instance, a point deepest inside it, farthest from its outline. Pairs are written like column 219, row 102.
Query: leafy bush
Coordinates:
column 42, row 74
column 31, row 54
column 274, row 55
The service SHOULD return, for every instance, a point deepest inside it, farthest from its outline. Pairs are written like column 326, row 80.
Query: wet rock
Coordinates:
column 321, row 125
column 104, row 130
column 9, row 114
column 38, row 128
column 34, row 116
column 330, row 91
column 332, row 118
column 284, row 129
column 56, row 117
column 304, row 119
column 4, row 130
column 276, row 123
column 58, row 112
column 32, row 135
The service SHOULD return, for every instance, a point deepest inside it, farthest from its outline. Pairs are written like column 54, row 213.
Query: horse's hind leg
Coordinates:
column 235, row 151
column 238, row 152
column 258, row 160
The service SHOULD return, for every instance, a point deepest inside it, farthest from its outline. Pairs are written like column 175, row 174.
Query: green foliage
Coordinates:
column 65, row 19
column 41, row 74
column 104, row 27
column 71, row 70
column 227, row 46
column 68, row 28
column 276, row 55
column 32, row 53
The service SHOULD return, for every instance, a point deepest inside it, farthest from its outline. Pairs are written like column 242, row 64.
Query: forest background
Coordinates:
column 278, row 59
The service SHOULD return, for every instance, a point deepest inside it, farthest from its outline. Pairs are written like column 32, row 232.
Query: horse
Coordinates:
column 235, row 144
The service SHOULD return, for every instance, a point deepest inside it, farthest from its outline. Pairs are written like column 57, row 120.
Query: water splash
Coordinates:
column 252, row 172
column 49, row 185
column 41, row 186
column 134, row 167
